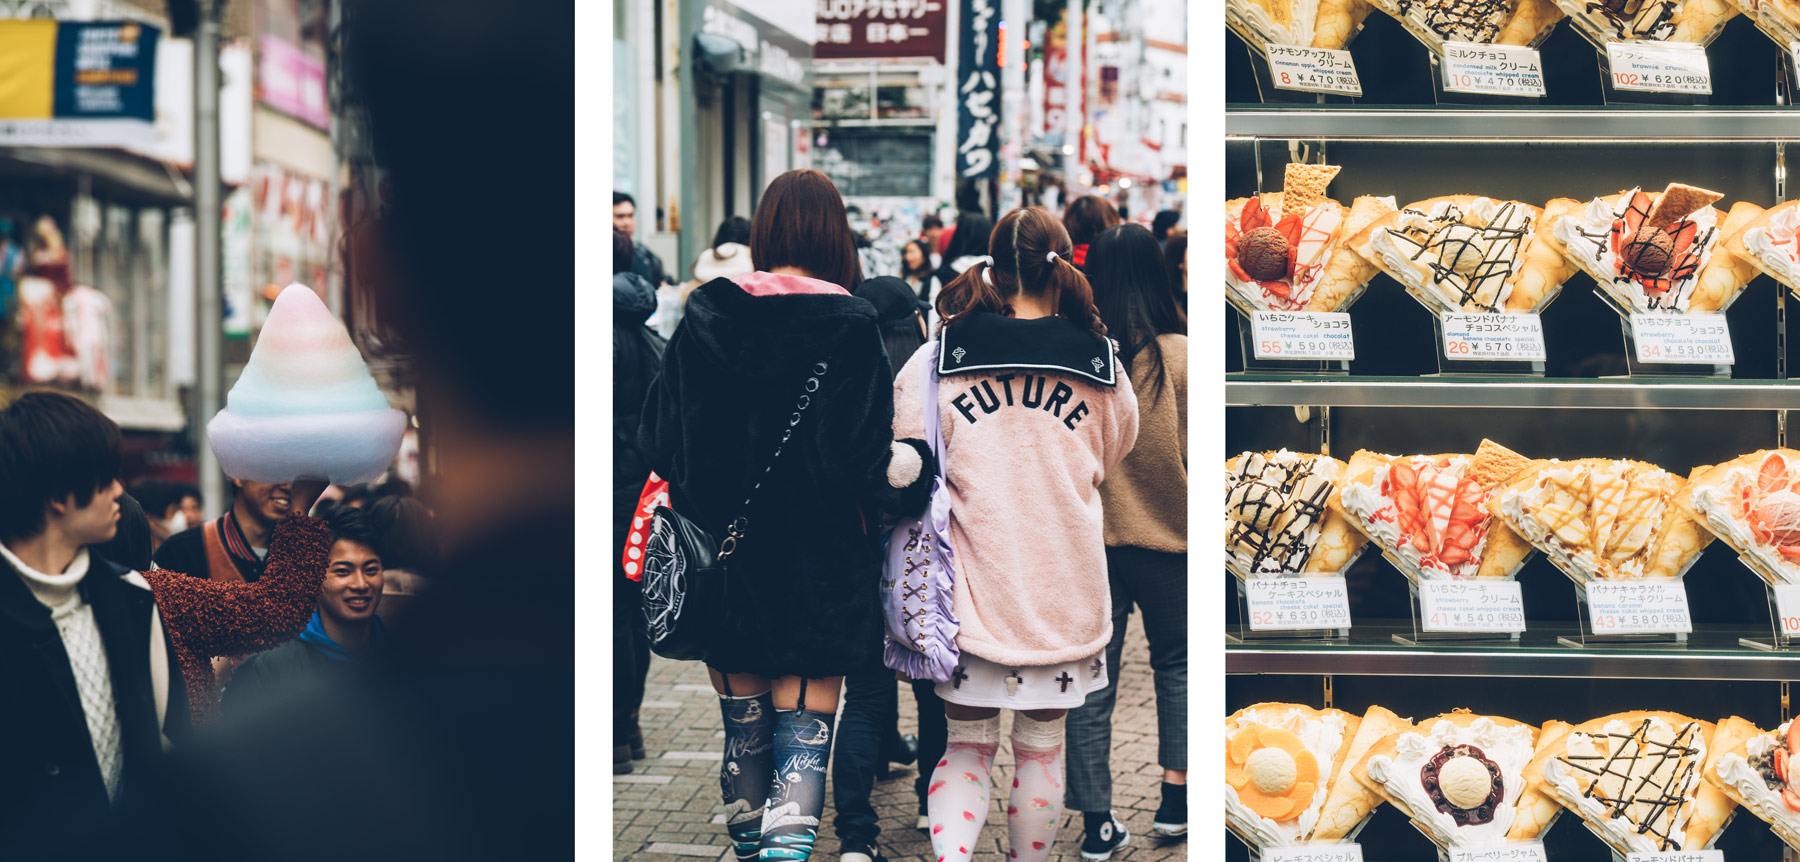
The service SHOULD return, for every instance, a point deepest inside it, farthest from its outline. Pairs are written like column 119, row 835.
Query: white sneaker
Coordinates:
column 924, row 824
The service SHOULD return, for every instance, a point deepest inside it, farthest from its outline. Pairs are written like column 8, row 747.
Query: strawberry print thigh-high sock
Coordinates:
column 957, row 801
column 1037, row 794
column 749, row 762
column 797, row 798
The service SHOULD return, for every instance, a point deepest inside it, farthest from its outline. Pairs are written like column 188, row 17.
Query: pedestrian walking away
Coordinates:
column 800, row 609
column 1144, row 503
column 1035, row 409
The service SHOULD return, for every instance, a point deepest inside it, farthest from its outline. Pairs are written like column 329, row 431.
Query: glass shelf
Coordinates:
column 1712, row 653
column 1635, row 124
column 1252, row 390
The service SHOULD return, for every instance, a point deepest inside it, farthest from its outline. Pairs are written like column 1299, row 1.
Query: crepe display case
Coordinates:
column 1643, row 474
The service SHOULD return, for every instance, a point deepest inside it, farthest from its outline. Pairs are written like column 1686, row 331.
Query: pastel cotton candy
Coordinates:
column 305, row 405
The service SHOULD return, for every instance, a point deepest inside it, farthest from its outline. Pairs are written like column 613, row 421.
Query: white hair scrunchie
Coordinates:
column 987, row 278
column 1050, row 258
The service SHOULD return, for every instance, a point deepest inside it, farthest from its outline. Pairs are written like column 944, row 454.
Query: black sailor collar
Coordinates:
column 984, row 341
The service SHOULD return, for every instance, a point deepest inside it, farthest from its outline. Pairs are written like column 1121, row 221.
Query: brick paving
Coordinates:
column 668, row 809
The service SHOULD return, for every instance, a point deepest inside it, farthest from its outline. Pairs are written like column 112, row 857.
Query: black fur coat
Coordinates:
column 805, row 581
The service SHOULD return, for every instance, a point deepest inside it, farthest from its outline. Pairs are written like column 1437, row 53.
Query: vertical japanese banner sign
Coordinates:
column 77, row 83
column 978, row 91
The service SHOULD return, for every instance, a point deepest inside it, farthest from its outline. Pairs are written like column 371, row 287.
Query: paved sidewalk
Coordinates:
column 668, row 809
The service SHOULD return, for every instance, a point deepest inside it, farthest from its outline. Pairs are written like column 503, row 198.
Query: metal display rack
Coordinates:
column 1712, row 653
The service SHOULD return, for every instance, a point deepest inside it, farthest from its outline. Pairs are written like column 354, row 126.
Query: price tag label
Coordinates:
column 1332, row 853
column 1287, row 604
column 1472, row 606
column 1638, row 607
column 1659, row 67
column 1499, row 70
column 1302, row 335
column 1313, row 70
column 1493, row 336
column 1692, row 339
column 1679, row 856
column 1787, row 607
column 1524, row 852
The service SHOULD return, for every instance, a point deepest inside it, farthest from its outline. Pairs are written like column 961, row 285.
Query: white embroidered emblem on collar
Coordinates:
column 959, row 353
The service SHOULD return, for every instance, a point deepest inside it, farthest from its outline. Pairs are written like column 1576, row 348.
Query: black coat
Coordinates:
column 52, row 797
column 804, row 581
column 637, row 354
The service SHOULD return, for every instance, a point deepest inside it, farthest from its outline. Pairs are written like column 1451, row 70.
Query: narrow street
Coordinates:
column 668, row 809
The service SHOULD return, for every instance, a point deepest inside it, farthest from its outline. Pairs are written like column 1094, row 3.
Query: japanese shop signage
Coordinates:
column 978, row 91
column 1493, row 336
column 1692, row 339
column 1332, row 853
column 770, row 51
column 1302, row 335
column 857, row 29
column 1291, row 604
column 1659, row 67
column 77, row 83
column 1472, row 606
column 1499, row 70
column 1313, row 70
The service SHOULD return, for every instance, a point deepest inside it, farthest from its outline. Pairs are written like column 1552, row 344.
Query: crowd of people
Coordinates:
column 318, row 672
column 1031, row 373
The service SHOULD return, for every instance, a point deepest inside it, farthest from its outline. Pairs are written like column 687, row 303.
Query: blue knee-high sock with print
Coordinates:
column 802, row 752
column 744, row 774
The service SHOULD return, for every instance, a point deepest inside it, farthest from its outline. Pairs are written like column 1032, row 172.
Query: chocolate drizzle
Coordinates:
column 1500, row 241
column 1679, row 274
column 1483, row 813
column 1626, row 778
column 1639, row 19
column 1459, row 20
column 1272, row 506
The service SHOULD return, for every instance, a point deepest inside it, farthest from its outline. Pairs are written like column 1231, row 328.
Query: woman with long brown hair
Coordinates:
column 772, row 416
column 1035, row 408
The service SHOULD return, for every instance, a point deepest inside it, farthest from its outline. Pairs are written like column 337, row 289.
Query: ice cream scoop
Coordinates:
column 305, row 405
column 1465, row 782
column 1461, row 248
column 1264, row 254
column 1272, row 771
column 1648, row 251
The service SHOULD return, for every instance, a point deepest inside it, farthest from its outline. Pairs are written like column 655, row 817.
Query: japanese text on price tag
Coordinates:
column 1313, row 70
column 1472, row 606
column 1532, row 852
column 1638, row 607
column 1679, row 856
column 1501, row 70
column 1333, row 853
column 1659, row 67
column 1302, row 335
column 1694, row 339
column 1287, row 604
column 1493, row 336
column 1787, row 608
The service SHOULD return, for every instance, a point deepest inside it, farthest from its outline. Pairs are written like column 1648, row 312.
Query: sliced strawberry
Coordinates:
column 1791, row 798
column 1638, row 210
column 1253, row 216
column 1781, row 759
column 1278, row 288
column 1773, row 476
column 1453, row 555
column 1793, row 736
column 1789, row 550
column 1404, row 475
column 1612, row 236
column 1232, row 264
column 1682, row 238
column 1292, row 227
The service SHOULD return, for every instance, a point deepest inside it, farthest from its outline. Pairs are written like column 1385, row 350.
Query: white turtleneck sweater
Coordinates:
column 74, row 619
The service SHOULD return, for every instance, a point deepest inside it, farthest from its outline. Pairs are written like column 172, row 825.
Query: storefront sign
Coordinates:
column 772, row 52
column 1312, row 70
column 1056, row 75
column 1471, row 606
column 77, row 83
column 1499, row 70
column 1679, row 856
column 293, row 82
column 1493, row 336
column 1302, row 335
column 978, row 91
column 1334, row 853
column 1638, row 607
column 1290, row 604
column 1689, row 339
column 1659, row 67
column 1525, row 852
column 857, row 29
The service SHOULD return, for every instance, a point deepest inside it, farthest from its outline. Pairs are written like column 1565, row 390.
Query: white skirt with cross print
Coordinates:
column 979, row 682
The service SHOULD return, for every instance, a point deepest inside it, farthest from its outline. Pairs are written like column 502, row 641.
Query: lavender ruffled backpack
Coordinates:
column 916, row 581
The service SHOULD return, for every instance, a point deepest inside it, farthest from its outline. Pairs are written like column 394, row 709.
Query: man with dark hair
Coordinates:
column 930, row 229
column 344, row 629
column 648, row 265
column 1160, row 226
column 234, row 546
column 95, row 657
column 171, row 507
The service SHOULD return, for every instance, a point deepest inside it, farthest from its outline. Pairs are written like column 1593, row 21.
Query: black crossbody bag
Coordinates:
column 684, row 585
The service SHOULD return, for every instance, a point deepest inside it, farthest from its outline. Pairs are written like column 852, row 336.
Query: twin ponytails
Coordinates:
column 1029, row 251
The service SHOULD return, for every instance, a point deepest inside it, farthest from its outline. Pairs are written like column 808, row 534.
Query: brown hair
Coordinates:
column 1089, row 216
column 1021, row 248
column 801, row 223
